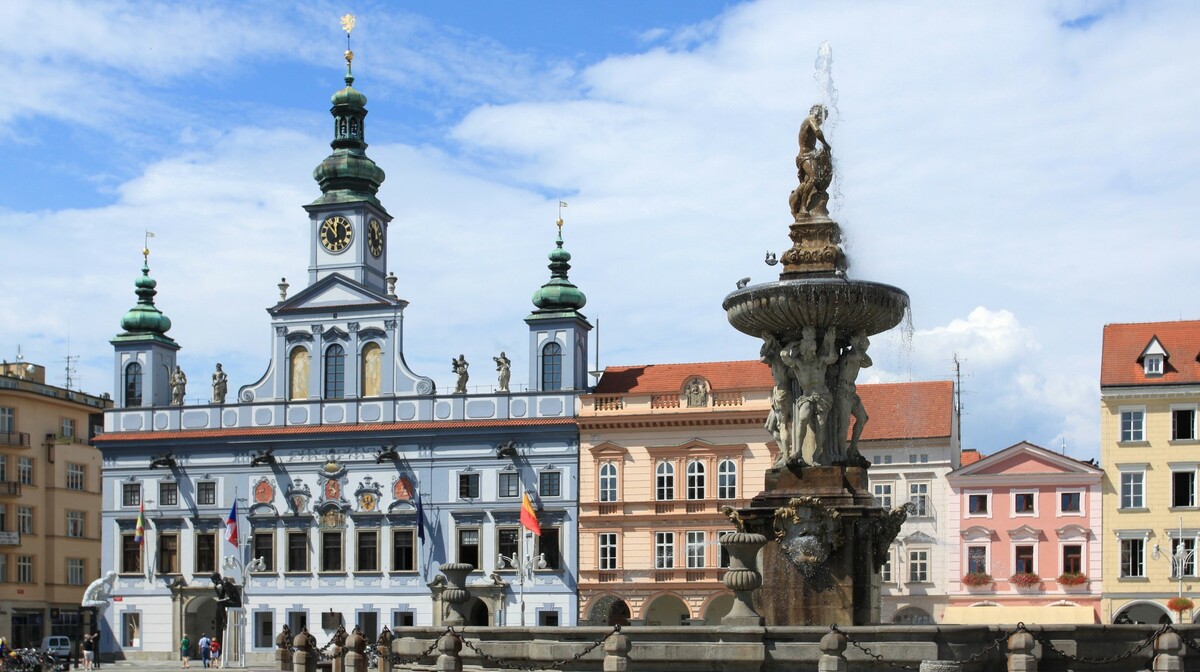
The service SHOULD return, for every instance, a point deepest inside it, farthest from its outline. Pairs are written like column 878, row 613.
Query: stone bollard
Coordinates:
column 384, row 648
column 941, row 666
column 456, row 593
column 833, row 653
column 742, row 578
column 339, row 650
column 283, row 649
column 1168, row 652
column 305, row 659
column 356, row 652
column 1020, row 653
column 616, row 652
column 448, row 647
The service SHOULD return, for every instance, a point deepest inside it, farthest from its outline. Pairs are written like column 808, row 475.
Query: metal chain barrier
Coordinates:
column 1002, row 639
column 396, row 660
column 1187, row 641
column 867, row 650
column 532, row 668
column 1049, row 646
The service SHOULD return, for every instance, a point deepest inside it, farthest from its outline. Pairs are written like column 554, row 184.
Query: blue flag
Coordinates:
column 420, row 519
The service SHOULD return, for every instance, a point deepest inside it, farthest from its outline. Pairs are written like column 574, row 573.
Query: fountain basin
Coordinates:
column 784, row 307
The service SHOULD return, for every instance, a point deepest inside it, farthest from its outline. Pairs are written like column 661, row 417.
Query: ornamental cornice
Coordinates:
column 618, row 422
column 1150, row 392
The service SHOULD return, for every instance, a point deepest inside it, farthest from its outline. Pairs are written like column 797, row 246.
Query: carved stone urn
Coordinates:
column 455, row 595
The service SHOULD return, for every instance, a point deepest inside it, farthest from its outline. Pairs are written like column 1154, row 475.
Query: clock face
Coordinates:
column 375, row 238
column 336, row 233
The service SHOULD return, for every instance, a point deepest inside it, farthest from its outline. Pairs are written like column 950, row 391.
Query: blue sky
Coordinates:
column 1026, row 171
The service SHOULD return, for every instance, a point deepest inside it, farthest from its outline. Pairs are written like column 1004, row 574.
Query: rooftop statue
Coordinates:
column 459, row 367
column 220, row 385
column 178, row 386
column 503, row 371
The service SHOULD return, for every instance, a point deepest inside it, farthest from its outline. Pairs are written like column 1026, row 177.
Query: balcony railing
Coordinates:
column 609, row 509
column 610, row 403
column 10, row 489
column 664, row 507
column 664, row 401
column 19, row 439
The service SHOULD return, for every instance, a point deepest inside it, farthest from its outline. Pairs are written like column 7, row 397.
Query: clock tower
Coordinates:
column 347, row 224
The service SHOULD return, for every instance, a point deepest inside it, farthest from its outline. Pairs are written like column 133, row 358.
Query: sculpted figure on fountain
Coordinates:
column 854, row 358
column 779, row 420
column 814, row 167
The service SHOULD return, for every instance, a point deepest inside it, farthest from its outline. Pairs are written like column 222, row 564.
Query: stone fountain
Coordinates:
column 823, row 539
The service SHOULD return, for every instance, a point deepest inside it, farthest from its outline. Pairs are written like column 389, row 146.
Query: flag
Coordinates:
column 529, row 517
column 562, row 204
column 420, row 519
column 231, row 525
column 139, row 532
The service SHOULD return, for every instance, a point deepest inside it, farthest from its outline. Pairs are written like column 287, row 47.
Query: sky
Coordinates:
column 1027, row 172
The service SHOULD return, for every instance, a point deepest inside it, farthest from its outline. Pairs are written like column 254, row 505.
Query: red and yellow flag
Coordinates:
column 529, row 517
column 139, row 530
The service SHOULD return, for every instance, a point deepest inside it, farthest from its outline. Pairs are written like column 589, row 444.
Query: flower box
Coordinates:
column 1072, row 581
column 1025, row 580
column 977, row 580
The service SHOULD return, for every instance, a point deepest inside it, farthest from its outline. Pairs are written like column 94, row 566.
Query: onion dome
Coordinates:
column 559, row 294
column 348, row 174
column 145, row 319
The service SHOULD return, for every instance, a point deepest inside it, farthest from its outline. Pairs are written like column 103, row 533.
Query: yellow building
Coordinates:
column 663, row 448
column 1150, row 390
column 49, row 504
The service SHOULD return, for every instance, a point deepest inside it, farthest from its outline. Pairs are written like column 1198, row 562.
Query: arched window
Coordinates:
column 552, row 367
column 727, row 480
column 372, row 370
column 335, row 372
column 133, row 385
column 298, row 374
column 695, row 480
column 608, row 482
column 664, row 481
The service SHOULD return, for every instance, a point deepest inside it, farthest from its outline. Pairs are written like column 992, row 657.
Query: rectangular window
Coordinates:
column 1133, row 558
column 74, row 571
column 664, row 550
column 1183, row 488
column 76, row 476
column 367, row 559
column 1024, row 502
column 297, row 620
column 206, row 494
column 68, row 427
column 1072, row 558
column 368, row 625
column 550, row 484
column 724, row 557
column 75, row 524
column 977, row 505
column 131, row 629
column 508, row 543
column 7, row 423
column 508, row 486
column 548, row 619
column 1023, row 559
column 696, row 543
column 4, row 468
column 885, row 572
column 549, row 544
column 206, row 553
column 977, row 561
column 3, row 517
column 918, row 495
column 883, row 494
column 25, row 519
column 3, row 568
column 131, row 555
column 1189, row 557
column 1183, row 424
column 664, row 482
column 403, row 619
column 131, row 494
column 468, row 547
column 1071, row 502
column 297, row 552
column 264, row 547
column 468, row 486
column 331, row 551
column 24, row 569
column 918, row 566
column 264, row 629
column 1132, row 425
column 25, row 470
column 168, row 553
column 168, row 493
column 404, row 551
column 1132, row 490
column 606, row 542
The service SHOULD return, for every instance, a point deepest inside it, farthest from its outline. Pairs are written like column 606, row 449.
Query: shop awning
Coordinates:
column 986, row 615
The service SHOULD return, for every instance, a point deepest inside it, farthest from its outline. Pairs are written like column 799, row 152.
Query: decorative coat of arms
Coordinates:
column 298, row 495
column 264, row 492
column 808, row 532
column 402, row 488
column 367, row 495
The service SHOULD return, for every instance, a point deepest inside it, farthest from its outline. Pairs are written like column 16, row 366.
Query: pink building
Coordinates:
column 1026, row 521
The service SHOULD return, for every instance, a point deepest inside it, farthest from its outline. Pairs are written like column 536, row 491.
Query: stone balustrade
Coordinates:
column 726, row 400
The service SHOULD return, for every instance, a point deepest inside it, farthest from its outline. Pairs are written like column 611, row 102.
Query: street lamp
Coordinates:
column 1181, row 557
column 524, row 570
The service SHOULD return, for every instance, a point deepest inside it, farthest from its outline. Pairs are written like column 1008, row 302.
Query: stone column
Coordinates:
column 1168, row 653
column 448, row 647
column 283, row 654
column 305, row 659
column 356, row 657
column 1020, row 653
column 743, row 577
column 616, row 652
column 456, row 594
column 833, row 653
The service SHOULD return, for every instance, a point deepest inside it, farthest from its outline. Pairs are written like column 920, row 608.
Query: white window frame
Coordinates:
column 968, row 494
column 723, row 558
column 727, row 477
column 24, row 519
column 914, row 562
column 609, row 490
column 8, row 422
column 1185, row 468
column 1137, row 429
column 664, row 550
column 884, row 499
column 1058, row 495
column 76, row 522
column 1175, row 428
column 987, row 557
column 1083, row 554
column 1123, row 538
column 1012, row 554
column 75, row 571
column 1191, row 541
column 76, row 476
column 607, row 551
column 697, row 480
column 664, row 481
column 25, row 470
column 1012, row 496
column 887, row 572
column 696, row 544
column 1152, row 365
column 923, row 510
column 1131, row 470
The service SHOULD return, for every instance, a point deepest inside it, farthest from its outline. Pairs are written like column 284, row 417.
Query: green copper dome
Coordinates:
column 348, row 174
column 145, row 318
column 559, row 294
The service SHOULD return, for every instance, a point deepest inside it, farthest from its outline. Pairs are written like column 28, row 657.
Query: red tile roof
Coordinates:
column 394, row 427
column 896, row 410
column 1124, row 343
column 970, row 456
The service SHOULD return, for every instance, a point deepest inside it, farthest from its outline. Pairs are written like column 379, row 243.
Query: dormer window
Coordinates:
column 1154, row 358
column 1153, row 365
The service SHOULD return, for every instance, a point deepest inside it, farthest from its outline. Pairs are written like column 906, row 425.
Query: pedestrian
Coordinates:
column 185, row 646
column 89, row 651
column 215, row 651
column 205, row 649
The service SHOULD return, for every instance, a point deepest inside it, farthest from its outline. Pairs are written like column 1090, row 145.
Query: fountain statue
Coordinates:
column 822, row 535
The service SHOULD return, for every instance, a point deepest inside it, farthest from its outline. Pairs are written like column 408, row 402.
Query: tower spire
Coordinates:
column 559, row 294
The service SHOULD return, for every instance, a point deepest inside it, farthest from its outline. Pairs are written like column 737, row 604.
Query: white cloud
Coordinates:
column 986, row 339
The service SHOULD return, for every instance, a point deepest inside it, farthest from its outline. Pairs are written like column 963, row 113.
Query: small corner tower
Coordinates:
column 348, row 223
column 145, row 355
column 558, row 332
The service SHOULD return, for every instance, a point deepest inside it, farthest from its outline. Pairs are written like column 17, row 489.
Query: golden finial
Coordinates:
column 146, row 246
column 348, row 26
column 559, row 221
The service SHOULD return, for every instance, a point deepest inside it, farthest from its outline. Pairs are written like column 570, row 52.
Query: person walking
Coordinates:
column 185, row 652
column 205, row 649
column 215, row 652
column 89, row 650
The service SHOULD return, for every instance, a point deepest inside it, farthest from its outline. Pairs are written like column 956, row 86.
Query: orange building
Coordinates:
column 662, row 449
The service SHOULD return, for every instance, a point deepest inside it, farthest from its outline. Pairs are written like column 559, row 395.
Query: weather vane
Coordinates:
column 146, row 245
column 559, row 221
column 348, row 26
